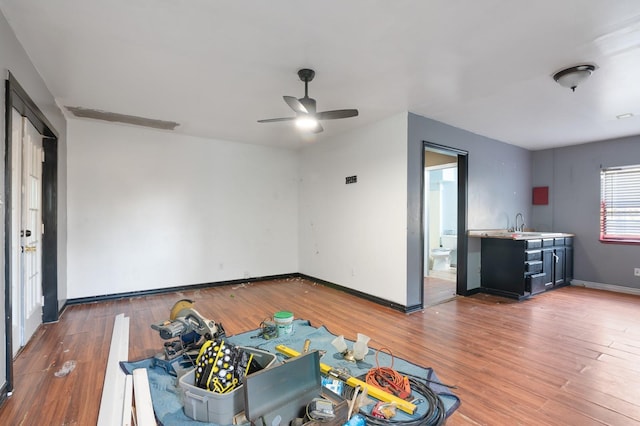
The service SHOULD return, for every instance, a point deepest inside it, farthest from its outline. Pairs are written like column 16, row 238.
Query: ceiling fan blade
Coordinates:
column 295, row 104
column 273, row 120
column 335, row 114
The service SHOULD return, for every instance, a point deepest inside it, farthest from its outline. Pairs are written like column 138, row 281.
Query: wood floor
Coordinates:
column 439, row 286
column 567, row 357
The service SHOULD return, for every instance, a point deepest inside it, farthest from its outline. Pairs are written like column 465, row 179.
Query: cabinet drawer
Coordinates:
column 533, row 266
column 547, row 242
column 532, row 244
column 558, row 241
column 533, row 255
column 568, row 241
column 535, row 283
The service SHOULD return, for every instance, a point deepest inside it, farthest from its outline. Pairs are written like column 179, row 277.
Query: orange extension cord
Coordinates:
column 388, row 379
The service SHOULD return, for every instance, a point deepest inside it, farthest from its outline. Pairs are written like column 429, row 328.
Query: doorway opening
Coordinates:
column 31, row 233
column 444, row 223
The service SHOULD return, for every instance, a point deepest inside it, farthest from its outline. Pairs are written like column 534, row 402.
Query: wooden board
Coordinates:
column 142, row 394
column 113, row 391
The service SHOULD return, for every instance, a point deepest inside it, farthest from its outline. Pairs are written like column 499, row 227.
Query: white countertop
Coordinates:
column 515, row 235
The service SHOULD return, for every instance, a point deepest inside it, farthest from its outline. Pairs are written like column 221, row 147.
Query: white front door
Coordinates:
column 26, row 217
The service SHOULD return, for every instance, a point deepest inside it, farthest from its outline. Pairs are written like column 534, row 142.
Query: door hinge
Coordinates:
column 42, row 300
column 42, row 225
column 42, row 152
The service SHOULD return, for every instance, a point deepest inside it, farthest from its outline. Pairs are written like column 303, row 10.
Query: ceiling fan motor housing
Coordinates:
column 306, row 74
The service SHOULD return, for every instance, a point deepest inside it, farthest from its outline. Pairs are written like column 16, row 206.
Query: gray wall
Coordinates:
column 499, row 186
column 573, row 176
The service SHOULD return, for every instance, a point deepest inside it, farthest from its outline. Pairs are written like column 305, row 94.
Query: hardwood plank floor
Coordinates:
column 439, row 286
column 567, row 357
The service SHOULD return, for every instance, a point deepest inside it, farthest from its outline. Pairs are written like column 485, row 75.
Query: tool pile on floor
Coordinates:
column 230, row 384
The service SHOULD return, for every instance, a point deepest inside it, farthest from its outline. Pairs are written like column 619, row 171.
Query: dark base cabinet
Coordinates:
column 522, row 268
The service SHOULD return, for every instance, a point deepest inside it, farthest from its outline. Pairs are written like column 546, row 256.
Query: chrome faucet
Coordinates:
column 521, row 227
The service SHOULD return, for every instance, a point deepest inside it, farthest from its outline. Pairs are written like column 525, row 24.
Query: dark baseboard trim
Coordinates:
column 472, row 291
column 114, row 296
column 414, row 308
column 360, row 294
column 4, row 393
column 502, row 293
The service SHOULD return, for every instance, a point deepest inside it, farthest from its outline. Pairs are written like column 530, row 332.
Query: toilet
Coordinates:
column 450, row 242
column 441, row 259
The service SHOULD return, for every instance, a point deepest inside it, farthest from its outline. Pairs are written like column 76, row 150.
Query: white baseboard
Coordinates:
column 609, row 287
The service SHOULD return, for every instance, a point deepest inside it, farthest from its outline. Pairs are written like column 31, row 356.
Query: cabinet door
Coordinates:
column 568, row 264
column 548, row 261
column 559, row 266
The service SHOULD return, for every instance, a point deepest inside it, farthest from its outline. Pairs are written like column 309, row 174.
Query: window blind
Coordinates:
column 620, row 204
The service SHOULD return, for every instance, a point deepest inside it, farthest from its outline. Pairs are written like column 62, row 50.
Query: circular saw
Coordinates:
column 186, row 331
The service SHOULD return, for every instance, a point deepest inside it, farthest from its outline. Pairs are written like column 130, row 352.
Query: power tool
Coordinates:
column 186, row 330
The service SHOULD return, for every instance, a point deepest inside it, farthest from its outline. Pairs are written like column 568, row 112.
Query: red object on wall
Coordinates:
column 541, row 196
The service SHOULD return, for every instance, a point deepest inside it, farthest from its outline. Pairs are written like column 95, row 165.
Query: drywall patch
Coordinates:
column 114, row 117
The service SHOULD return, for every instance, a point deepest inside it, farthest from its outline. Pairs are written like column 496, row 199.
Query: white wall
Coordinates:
column 151, row 209
column 356, row 235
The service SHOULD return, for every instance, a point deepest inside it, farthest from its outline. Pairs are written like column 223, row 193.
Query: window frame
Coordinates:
column 620, row 204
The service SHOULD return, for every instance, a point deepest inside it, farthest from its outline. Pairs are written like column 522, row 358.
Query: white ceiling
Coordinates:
column 216, row 67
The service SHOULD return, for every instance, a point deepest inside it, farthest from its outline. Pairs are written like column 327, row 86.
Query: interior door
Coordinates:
column 27, row 255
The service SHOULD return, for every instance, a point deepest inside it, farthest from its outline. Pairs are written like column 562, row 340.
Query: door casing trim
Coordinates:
column 17, row 98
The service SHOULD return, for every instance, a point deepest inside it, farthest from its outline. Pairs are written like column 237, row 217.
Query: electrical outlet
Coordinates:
column 636, row 272
column 351, row 179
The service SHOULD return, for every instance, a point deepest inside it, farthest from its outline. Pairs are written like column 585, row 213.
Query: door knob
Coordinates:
column 30, row 249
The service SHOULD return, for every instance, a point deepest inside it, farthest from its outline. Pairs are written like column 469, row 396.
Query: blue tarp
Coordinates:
column 166, row 393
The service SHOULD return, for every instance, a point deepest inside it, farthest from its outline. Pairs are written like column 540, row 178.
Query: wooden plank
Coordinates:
column 142, row 394
column 113, row 392
column 128, row 401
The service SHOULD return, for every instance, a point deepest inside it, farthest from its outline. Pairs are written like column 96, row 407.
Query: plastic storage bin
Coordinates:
column 281, row 394
column 206, row 406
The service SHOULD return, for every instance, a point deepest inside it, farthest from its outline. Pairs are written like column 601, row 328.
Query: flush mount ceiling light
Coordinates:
column 571, row 77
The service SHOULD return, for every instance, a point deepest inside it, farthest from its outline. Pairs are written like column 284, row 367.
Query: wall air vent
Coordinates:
column 97, row 114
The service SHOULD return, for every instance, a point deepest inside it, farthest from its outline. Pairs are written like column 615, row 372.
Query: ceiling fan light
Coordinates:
column 306, row 123
column 572, row 77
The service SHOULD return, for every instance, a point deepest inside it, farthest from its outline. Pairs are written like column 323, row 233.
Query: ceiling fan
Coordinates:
column 305, row 108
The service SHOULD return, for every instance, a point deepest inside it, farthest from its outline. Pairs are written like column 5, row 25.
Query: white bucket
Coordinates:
column 284, row 322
